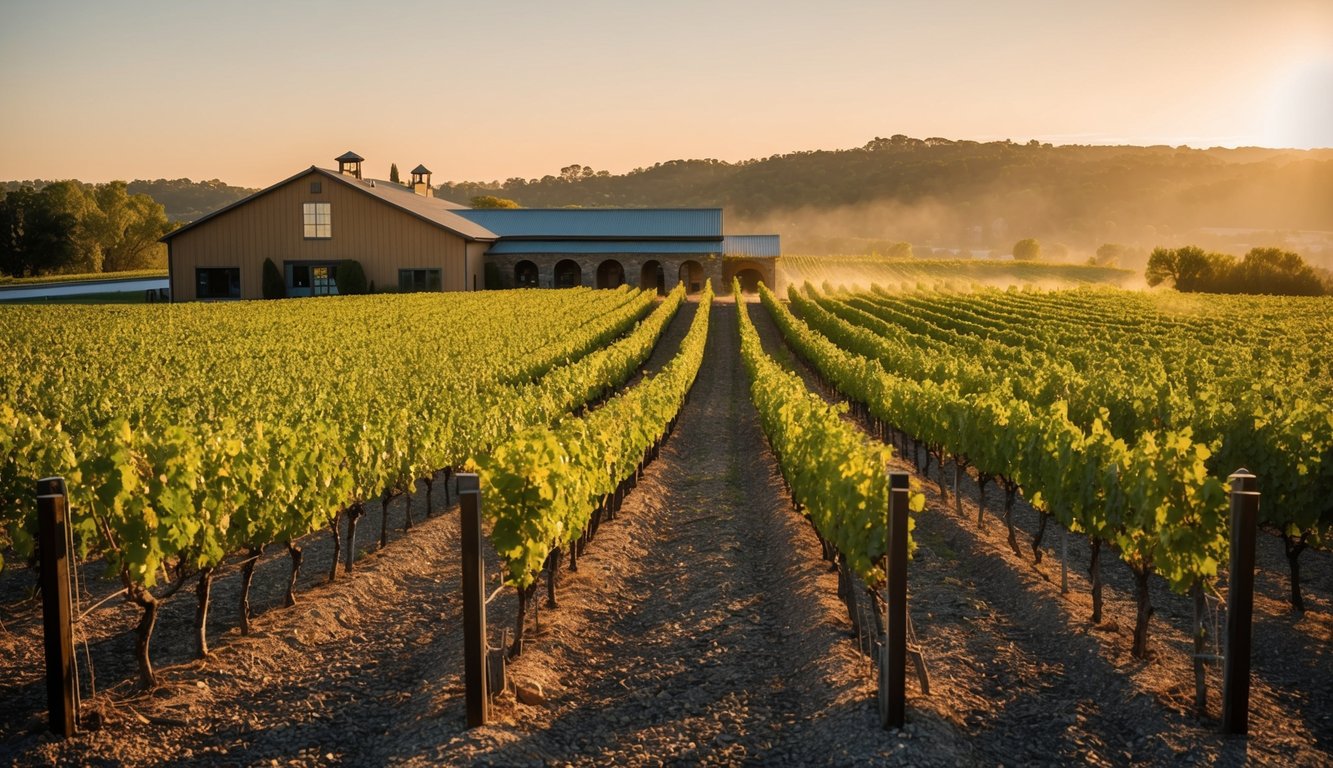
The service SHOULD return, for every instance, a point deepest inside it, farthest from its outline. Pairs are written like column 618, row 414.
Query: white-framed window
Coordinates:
column 318, row 220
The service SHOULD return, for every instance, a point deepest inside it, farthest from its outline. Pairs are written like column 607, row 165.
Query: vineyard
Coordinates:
column 702, row 487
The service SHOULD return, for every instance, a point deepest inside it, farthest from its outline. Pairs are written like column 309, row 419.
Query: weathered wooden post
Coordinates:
column 893, row 651
column 53, row 541
column 1240, row 603
column 474, row 601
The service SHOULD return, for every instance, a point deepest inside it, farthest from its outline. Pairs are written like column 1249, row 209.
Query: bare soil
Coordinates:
column 701, row 628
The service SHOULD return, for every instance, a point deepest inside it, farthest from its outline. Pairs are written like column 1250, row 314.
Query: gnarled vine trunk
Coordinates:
column 297, row 556
column 247, row 578
column 1294, row 546
column 337, row 545
column 1041, row 534
column 143, row 632
column 354, row 514
column 202, row 594
column 1145, row 611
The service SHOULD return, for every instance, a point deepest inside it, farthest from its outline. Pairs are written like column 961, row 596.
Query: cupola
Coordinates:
column 349, row 163
column 421, row 181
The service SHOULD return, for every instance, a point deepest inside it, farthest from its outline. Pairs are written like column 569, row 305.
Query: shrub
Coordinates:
column 351, row 278
column 274, row 286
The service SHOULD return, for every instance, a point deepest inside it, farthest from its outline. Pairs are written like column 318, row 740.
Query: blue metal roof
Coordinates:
column 605, row 246
column 752, row 245
column 599, row 223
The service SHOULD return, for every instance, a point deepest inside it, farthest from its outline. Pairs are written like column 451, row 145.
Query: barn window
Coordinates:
column 316, row 187
column 416, row 280
column 318, row 220
column 218, row 283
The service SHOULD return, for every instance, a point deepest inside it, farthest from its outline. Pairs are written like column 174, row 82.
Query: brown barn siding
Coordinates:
column 381, row 237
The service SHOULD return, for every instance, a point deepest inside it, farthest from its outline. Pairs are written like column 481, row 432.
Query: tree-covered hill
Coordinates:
column 944, row 193
column 184, row 200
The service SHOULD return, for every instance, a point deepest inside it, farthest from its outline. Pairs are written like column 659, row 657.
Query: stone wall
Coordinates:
column 503, row 269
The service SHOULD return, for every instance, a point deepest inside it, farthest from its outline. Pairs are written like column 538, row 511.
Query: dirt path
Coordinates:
column 701, row 627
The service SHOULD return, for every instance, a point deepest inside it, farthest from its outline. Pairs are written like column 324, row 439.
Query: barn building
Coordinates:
column 407, row 239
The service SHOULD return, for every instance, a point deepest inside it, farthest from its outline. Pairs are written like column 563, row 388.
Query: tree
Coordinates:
column 1109, row 255
column 1027, row 249
column 274, row 286
column 350, row 278
column 36, row 236
column 491, row 201
column 1189, row 268
column 393, row 173
column 1275, row 271
column 900, row 251
column 127, row 227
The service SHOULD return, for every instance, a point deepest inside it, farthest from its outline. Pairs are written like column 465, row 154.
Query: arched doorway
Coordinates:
column 692, row 275
column 525, row 275
column 750, row 280
column 652, row 277
column 610, row 274
column 568, row 274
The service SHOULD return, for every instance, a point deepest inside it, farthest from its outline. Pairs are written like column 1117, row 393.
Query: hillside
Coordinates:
column 942, row 193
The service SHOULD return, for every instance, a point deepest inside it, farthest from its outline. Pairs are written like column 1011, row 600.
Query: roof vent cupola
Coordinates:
column 349, row 163
column 421, row 181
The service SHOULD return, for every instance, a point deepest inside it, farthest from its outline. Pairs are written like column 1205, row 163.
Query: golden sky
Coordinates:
column 250, row 92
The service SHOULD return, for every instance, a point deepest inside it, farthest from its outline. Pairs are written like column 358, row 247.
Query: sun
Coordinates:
column 1300, row 112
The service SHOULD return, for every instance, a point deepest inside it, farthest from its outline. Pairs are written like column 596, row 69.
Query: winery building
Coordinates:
column 406, row 239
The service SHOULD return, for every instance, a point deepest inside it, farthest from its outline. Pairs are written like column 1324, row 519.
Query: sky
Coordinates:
column 252, row 92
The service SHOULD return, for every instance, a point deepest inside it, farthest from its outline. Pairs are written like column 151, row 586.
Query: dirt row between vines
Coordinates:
column 1020, row 667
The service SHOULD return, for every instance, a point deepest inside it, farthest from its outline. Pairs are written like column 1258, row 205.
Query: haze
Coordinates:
column 249, row 92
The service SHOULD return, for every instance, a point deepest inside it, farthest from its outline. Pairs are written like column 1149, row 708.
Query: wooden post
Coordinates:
column 1240, row 603
column 893, row 652
column 474, row 601
column 52, row 538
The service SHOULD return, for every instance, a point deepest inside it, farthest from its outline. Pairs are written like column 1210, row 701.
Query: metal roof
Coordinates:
column 421, row 169
column 752, row 245
column 433, row 210
column 600, row 223
column 349, row 157
column 541, row 247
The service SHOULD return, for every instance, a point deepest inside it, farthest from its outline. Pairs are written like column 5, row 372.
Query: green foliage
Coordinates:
column 541, row 486
column 1271, row 271
column 351, row 278
column 393, row 173
column 837, row 475
column 68, row 227
column 1119, row 413
column 491, row 201
column 1027, row 249
column 275, row 287
column 174, row 463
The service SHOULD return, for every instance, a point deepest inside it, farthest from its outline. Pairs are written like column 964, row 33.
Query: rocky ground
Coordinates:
column 701, row 628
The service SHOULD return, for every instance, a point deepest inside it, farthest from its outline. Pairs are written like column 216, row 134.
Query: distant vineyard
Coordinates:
column 957, row 274
column 1119, row 415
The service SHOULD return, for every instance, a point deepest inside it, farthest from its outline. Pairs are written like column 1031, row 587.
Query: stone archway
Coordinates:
column 525, row 274
column 568, row 274
column 750, row 279
column 653, row 277
column 692, row 275
column 610, row 274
